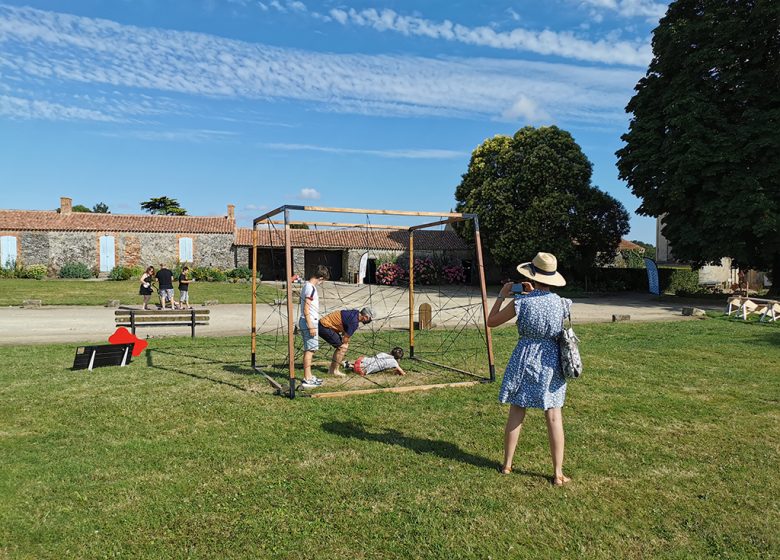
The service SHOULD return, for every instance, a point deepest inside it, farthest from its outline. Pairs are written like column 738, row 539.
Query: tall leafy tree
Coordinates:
column 163, row 205
column 533, row 192
column 702, row 147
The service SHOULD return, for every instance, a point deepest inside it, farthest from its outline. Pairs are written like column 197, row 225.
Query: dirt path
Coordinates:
column 52, row 324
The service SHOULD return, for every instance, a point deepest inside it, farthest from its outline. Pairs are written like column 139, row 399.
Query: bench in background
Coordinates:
column 135, row 318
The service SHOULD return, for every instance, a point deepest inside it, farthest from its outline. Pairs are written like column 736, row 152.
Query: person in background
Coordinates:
column 145, row 289
column 184, row 288
column 366, row 365
column 165, row 285
column 308, row 325
column 337, row 328
column 533, row 376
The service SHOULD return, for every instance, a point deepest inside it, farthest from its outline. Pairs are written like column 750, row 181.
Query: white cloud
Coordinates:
column 309, row 194
column 557, row 43
column 395, row 154
column 132, row 71
column 630, row 8
column 525, row 110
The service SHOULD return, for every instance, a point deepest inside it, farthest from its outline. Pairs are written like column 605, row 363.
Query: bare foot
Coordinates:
column 561, row 480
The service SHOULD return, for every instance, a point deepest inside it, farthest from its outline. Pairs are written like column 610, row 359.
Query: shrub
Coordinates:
column 75, row 270
column 391, row 274
column 240, row 273
column 425, row 271
column 35, row 271
column 454, row 274
column 121, row 273
column 685, row 282
column 208, row 274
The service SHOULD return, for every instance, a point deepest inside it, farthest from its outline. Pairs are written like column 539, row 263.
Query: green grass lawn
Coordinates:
column 14, row 291
column 672, row 443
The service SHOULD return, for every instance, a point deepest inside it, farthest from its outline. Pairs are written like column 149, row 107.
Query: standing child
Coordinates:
column 366, row 365
column 184, row 289
column 308, row 325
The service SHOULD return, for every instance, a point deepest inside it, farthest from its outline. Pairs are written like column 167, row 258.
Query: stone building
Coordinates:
column 350, row 255
column 103, row 241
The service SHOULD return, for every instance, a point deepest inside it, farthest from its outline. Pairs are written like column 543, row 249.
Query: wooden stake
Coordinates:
column 407, row 389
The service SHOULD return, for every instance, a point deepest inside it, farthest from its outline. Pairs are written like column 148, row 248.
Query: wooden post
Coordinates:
column 288, row 280
column 483, row 289
column 254, row 297
column 411, row 294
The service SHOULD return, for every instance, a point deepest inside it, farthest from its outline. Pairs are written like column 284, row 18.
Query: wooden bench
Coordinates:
column 744, row 306
column 135, row 318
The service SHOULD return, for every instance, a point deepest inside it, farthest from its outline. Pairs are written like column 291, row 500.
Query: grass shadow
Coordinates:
column 440, row 448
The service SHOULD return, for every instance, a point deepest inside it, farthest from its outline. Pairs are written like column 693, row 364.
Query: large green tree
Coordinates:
column 163, row 205
column 533, row 192
column 703, row 146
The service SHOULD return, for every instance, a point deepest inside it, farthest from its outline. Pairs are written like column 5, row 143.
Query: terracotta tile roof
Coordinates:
column 626, row 245
column 355, row 239
column 42, row 220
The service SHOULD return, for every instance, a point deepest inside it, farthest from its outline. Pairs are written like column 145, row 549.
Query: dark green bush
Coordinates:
column 75, row 270
column 240, row 273
column 120, row 273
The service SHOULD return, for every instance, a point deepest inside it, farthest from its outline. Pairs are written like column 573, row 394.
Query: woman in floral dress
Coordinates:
column 533, row 376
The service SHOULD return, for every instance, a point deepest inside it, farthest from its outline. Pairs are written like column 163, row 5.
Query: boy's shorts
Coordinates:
column 184, row 296
column 310, row 343
column 167, row 294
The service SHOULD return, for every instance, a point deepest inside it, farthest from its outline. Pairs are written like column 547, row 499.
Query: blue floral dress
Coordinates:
column 533, row 376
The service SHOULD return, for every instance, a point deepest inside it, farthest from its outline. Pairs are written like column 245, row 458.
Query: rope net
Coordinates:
column 453, row 348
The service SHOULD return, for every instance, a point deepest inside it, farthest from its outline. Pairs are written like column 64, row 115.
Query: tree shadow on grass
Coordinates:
column 443, row 449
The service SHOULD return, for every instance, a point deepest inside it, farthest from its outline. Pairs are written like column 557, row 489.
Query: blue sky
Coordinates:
column 372, row 104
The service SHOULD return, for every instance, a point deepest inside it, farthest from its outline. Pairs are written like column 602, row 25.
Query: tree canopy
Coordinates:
column 533, row 192
column 163, row 205
column 702, row 146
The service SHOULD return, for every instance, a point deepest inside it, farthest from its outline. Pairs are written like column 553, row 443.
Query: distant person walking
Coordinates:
column 165, row 285
column 533, row 377
column 184, row 288
column 145, row 289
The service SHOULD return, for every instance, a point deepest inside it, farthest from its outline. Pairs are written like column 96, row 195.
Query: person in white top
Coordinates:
column 365, row 365
column 308, row 323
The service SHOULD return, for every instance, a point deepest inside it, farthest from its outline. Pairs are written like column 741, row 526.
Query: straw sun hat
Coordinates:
column 543, row 269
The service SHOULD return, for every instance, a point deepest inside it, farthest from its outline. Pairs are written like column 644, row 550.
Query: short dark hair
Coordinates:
column 322, row 273
column 397, row 352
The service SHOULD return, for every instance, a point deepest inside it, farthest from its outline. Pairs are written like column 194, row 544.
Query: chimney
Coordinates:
column 66, row 205
column 231, row 212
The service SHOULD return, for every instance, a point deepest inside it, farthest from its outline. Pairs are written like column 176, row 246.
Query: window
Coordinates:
column 185, row 249
column 8, row 251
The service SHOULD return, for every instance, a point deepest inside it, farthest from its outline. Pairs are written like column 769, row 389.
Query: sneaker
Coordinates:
column 312, row 383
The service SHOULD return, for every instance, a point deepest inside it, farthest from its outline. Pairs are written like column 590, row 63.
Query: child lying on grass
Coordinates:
column 365, row 365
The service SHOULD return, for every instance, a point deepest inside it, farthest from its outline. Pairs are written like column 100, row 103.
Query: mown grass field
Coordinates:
column 672, row 443
column 13, row 291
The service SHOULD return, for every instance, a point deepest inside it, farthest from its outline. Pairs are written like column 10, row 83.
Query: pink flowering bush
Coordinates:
column 391, row 274
column 454, row 274
column 425, row 271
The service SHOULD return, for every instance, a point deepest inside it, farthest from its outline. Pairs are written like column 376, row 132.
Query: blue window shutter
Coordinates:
column 185, row 249
column 7, row 251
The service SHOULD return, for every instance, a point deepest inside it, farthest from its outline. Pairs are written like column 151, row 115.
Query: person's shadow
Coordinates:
column 440, row 448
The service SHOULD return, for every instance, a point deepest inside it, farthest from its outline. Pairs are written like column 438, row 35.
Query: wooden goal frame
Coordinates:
column 444, row 218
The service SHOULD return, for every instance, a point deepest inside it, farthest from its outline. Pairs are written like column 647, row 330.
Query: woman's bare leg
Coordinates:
column 514, row 424
column 554, row 419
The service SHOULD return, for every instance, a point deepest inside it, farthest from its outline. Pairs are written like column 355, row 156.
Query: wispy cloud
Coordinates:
column 630, row 8
column 309, row 194
column 558, row 43
column 396, row 154
column 64, row 53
